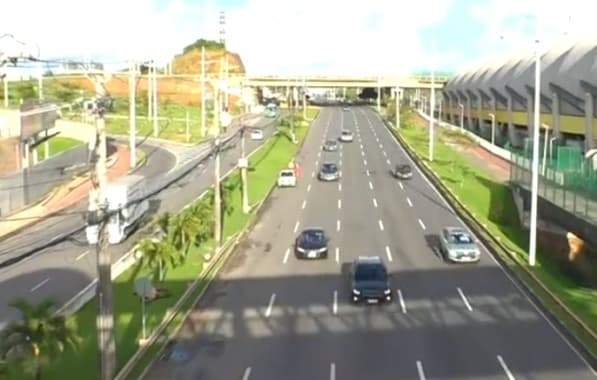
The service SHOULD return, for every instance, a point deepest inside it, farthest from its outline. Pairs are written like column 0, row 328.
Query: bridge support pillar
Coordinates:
column 469, row 120
column 529, row 99
column 512, row 135
column 589, row 117
column 555, row 114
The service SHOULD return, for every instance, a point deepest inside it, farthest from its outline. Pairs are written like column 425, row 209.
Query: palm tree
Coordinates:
column 164, row 224
column 38, row 335
column 227, row 190
column 185, row 228
column 157, row 255
column 203, row 212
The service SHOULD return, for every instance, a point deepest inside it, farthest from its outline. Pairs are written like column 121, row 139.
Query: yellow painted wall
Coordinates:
column 568, row 124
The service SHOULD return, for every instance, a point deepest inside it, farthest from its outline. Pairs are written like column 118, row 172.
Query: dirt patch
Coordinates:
column 8, row 156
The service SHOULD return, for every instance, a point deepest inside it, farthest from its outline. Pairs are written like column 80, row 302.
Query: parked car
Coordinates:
column 287, row 178
column 457, row 245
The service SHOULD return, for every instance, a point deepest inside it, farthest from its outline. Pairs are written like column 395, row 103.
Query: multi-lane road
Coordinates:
column 269, row 316
column 64, row 269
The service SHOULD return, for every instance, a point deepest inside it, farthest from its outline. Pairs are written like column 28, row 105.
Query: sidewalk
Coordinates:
column 64, row 196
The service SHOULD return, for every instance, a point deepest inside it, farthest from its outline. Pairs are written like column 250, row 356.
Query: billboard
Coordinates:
column 36, row 117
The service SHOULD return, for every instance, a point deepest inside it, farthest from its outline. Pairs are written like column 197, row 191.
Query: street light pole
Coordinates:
column 378, row 95
column 243, row 169
column 431, row 108
column 132, row 114
column 203, row 100
column 461, row 117
column 397, row 106
column 156, row 130
column 535, row 164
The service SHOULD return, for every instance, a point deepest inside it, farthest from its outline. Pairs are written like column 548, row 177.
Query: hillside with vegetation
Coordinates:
column 189, row 61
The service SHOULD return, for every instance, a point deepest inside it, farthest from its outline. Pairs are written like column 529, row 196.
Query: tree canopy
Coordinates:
column 209, row 45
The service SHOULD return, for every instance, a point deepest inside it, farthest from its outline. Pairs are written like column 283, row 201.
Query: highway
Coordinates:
column 269, row 316
column 64, row 269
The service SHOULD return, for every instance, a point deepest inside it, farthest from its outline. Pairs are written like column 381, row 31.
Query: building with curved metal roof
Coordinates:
column 503, row 90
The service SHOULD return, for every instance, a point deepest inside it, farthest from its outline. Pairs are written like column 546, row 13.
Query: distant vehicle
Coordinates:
column 256, row 134
column 402, row 171
column 287, row 178
column 457, row 245
column 330, row 146
column 329, row 172
column 346, row 136
column 271, row 110
column 312, row 243
column 369, row 280
column 346, row 109
column 127, row 205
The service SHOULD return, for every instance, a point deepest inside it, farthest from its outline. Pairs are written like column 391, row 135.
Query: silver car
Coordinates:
column 346, row 136
column 329, row 172
column 458, row 246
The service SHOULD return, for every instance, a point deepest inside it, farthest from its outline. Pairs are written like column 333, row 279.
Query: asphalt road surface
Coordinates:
column 269, row 316
column 64, row 269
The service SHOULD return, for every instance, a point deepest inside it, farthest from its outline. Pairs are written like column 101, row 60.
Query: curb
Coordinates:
column 501, row 252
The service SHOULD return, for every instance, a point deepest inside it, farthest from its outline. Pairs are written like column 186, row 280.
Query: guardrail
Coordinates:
column 496, row 247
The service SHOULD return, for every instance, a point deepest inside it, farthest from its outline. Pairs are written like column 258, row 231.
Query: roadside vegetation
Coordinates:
column 58, row 145
column 173, row 257
column 491, row 201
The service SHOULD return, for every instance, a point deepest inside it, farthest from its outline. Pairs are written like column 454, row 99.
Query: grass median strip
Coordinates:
column 492, row 204
column 58, row 145
column 265, row 165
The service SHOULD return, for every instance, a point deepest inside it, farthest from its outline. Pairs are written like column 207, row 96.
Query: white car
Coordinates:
column 257, row 134
column 346, row 136
column 287, row 178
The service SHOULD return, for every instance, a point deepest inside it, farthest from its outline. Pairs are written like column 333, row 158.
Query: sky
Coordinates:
column 306, row 37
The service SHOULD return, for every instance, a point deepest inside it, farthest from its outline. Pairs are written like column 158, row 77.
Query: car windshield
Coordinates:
column 403, row 168
column 460, row 238
column 370, row 272
column 313, row 237
column 329, row 168
column 346, row 133
column 286, row 174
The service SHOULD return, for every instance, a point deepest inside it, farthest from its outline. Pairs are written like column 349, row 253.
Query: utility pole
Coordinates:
column 431, row 107
column 156, row 130
column 132, row 114
column 378, row 95
column 203, row 94
column 292, row 110
column 149, row 93
column 105, row 314
column 40, row 82
column 217, row 185
column 226, row 76
column 397, row 106
column 243, row 168
column 5, row 85
column 304, row 99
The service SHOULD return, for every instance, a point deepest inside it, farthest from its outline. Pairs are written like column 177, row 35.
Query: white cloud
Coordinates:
column 308, row 36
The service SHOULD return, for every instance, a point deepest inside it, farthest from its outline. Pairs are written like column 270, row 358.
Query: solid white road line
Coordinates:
column 286, row 256
column 335, row 303
column 401, row 185
column 304, row 204
column 339, row 187
column 82, row 255
column 389, row 254
column 420, row 370
column 374, row 202
column 296, row 226
column 40, row 285
column 270, row 305
column 370, row 185
column 333, row 371
column 247, row 373
column 309, row 188
column 380, row 224
column 421, row 224
column 409, row 202
column 466, row 303
column 401, row 300
column 339, row 203
column 338, row 225
column 337, row 254
column 509, row 374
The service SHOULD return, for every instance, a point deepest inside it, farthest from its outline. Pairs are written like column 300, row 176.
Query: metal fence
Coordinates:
column 567, row 178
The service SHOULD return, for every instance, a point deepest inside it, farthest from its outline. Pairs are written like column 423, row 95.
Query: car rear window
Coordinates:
column 287, row 174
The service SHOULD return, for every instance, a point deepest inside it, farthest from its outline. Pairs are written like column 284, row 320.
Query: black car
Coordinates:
column 330, row 146
column 312, row 243
column 329, row 172
column 369, row 280
column 402, row 171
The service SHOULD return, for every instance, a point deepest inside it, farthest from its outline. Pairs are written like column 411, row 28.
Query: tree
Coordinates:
column 209, row 45
column 37, row 336
column 203, row 211
column 164, row 225
column 227, row 206
column 157, row 255
column 185, row 228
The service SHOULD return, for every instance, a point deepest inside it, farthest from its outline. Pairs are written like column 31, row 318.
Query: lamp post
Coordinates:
column 431, row 107
column 535, row 164
column 492, row 116
column 461, row 117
